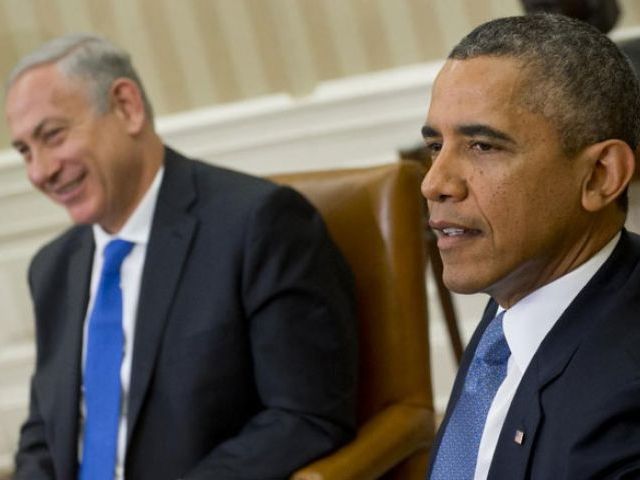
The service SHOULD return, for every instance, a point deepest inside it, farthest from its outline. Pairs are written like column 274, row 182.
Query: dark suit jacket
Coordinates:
column 245, row 348
column 578, row 403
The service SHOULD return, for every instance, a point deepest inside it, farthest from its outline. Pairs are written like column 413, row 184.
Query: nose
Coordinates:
column 42, row 169
column 444, row 180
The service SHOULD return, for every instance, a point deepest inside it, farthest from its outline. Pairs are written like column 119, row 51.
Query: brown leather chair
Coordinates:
column 376, row 216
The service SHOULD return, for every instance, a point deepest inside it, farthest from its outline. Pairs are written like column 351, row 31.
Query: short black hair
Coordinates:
column 577, row 77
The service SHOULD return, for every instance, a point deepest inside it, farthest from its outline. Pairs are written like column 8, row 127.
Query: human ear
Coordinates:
column 127, row 104
column 611, row 165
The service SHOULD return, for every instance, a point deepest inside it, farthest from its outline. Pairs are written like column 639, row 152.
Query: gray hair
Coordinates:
column 91, row 58
column 576, row 76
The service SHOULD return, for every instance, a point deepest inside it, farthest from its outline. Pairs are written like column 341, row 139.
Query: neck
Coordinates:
column 538, row 272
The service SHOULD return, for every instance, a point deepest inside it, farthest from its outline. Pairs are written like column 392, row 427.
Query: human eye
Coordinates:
column 483, row 147
column 24, row 152
column 53, row 136
column 433, row 148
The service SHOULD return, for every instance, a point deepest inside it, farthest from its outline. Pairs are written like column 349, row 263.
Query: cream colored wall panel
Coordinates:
column 504, row 8
column 398, row 31
column 630, row 13
column 101, row 17
column 13, row 176
column 481, row 11
column 195, row 53
column 453, row 18
column 168, row 53
column 9, row 54
column 427, row 29
column 238, row 29
column 347, row 42
column 26, row 211
column 294, row 46
column 17, row 324
column 74, row 16
column 218, row 57
column 132, row 36
column 192, row 57
column 322, row 46
column 370, row 26
column 48, row 17
column 20, row 17
column 16, row 364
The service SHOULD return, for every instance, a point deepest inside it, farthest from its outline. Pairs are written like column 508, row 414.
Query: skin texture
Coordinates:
column 527, row 212
column 96, row 165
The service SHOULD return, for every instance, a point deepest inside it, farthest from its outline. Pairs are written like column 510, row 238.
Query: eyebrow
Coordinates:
column 472, row 130
column 428, row 131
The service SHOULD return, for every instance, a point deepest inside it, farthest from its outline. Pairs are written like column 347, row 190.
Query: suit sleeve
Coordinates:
column 298, row 298
column 608, row 445
column 33, row 459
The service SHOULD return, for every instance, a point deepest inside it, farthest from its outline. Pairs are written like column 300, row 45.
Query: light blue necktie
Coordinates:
column 105, row 345
column 458, row 452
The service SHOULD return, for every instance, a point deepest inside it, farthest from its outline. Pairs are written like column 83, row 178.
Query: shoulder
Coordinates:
column 218, row 189
column 54, row 255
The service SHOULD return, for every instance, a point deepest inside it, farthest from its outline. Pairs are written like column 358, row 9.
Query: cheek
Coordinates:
column 511, row 214
column 500, row 202
column 34, row 177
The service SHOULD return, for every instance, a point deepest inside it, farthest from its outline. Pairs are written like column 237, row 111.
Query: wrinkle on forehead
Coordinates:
column 40, row 93
column 490, row 91
column 489, row 80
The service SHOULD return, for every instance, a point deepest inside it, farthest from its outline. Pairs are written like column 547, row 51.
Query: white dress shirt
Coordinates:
column 525, row 325
column 137, row 230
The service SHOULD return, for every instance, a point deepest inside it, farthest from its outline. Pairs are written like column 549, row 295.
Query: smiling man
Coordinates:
column 195, row 322
column 532, row 129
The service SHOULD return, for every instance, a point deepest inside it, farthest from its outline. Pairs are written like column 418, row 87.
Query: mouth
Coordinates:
column 66, row 192
column 450, row 235
column 453, row 231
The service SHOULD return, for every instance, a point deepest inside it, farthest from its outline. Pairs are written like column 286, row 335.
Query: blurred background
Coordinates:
column 259, row 85
column 196, row 53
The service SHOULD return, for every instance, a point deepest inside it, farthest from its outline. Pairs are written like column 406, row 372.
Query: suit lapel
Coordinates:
column 65, row 407
column 512, row 458
column 171, row 235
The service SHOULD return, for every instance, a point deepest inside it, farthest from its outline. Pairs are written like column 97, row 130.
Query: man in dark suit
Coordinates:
column 235, row 343
column 532, row 129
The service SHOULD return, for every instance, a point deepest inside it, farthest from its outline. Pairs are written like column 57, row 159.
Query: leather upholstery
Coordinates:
column 376, row 216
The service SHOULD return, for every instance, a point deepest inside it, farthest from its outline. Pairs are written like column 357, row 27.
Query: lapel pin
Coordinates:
column 519, row 438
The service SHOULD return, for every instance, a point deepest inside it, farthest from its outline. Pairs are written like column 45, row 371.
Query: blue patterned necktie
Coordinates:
column 105, row 345
column 458, row 452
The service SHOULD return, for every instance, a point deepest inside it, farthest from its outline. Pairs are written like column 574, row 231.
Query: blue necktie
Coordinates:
column 458, row 452
column 105, row 346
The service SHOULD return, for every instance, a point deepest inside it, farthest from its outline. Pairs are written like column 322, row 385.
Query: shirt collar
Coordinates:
column 137, row 228
column 528, row 321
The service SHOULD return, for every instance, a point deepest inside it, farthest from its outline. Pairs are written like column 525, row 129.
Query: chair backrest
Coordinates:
column 376, row 216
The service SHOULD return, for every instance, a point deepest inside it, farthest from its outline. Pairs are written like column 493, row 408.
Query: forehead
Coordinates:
column 487, row 91
column 478, row 86
column 42, row 92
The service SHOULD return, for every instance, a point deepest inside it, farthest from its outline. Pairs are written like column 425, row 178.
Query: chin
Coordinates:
column 82, row 216
column 463, row 284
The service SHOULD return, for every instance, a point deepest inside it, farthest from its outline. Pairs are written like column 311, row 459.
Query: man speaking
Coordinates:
column 532, row 128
